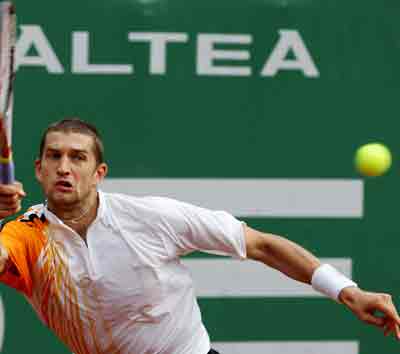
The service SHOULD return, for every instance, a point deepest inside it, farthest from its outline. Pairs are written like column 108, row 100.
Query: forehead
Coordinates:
column 68, row 141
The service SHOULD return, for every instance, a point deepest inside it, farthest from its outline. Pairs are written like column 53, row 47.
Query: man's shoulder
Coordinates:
column 141, row 204
column 127, row 199
column 160, row 214
column 33, row 219
column 33, row 215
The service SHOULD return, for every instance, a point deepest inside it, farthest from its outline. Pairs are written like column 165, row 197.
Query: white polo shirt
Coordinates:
column 125, row 291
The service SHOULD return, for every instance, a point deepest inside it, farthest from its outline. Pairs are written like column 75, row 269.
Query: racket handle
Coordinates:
column 7, row 172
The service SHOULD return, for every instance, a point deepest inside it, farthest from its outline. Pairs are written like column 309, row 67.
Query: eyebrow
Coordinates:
column 53, row 149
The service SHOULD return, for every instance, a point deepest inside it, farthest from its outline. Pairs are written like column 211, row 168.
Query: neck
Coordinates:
column 78, row 217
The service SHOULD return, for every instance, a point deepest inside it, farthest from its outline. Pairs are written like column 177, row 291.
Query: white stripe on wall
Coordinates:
column 225, row 277
column 289, row 347
column 299, row 198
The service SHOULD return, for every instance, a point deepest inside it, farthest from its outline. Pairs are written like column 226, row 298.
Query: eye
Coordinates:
column 53, row 155
column 79, row 157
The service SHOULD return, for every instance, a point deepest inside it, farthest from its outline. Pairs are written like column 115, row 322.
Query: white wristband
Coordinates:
column 329, row 281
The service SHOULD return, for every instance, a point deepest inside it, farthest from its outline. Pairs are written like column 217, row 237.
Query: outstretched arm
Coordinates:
column 281, row 254
column 299, row 264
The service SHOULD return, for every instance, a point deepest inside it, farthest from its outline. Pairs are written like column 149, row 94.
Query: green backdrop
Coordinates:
column 184, row 123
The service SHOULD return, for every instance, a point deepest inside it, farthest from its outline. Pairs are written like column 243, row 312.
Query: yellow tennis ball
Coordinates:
column 373, row 159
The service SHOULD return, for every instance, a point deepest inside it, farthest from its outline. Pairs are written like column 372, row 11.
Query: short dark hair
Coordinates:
column 76, row 125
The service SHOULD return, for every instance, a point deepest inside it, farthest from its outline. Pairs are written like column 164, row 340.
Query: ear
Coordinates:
column 101, row 172
column 38, row 170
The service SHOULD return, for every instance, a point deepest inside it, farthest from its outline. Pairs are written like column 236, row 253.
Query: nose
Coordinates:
column 63, row 167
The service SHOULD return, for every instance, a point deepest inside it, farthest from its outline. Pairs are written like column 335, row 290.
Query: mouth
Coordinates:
column 63, row 186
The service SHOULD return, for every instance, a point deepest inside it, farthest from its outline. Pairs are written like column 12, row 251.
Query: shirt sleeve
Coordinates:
column 14, row 238
column 186, row 228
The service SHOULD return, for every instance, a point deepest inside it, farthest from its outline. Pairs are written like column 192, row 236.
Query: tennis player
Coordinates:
column 103, row 270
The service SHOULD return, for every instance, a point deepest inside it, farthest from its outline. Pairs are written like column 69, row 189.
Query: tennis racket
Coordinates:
column 7, row 75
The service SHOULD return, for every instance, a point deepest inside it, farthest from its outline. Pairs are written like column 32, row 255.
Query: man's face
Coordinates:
column 67, row 170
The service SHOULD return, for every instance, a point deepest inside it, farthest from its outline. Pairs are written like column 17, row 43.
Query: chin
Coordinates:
column 57, row 198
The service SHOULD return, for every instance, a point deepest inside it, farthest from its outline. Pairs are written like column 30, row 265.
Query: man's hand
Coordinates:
column 10, row 199
column 373, row 308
